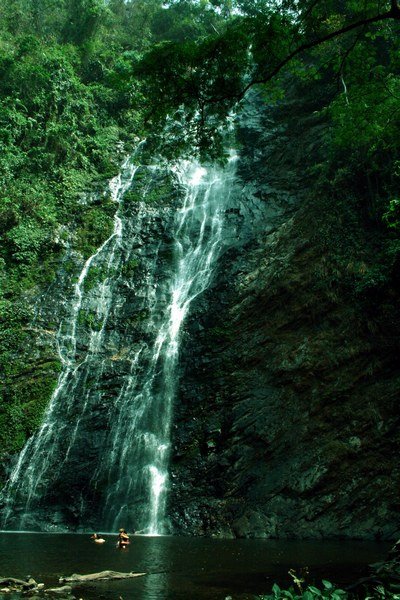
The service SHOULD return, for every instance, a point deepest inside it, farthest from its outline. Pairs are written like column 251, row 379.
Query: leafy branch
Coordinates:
column 392, row 14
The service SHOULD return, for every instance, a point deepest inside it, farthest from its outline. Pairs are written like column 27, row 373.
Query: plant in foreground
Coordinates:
column 310, row 593
column 329, row 592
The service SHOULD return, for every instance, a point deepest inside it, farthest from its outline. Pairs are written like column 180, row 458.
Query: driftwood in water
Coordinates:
column 20, row 584
column 14, row 584
column 102, row 576
column 65, row 591
column 13, row 581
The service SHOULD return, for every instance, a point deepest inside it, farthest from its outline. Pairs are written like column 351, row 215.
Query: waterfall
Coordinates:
column 129, row 453
column 38, row 456
column 145, row 412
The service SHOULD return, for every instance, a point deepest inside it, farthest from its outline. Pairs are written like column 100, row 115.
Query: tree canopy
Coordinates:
column 83, row 80
column 263, row 43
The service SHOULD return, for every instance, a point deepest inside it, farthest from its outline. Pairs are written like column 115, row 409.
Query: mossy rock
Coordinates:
column 24, row 402
column 90, row 320
column 130, row 267
column 96, row 226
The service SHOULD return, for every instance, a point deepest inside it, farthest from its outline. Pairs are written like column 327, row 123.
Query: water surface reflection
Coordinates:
column 182, row 568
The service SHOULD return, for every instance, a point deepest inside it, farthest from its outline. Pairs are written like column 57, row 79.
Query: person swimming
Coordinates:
column 123, row 539
column 97, row 539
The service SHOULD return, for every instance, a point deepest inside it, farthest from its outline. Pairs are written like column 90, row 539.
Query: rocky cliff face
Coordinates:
column 96, row 318
column 285, row 422
column 287, row 419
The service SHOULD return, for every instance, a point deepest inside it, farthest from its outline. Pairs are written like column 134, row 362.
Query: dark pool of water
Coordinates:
column 182, row 568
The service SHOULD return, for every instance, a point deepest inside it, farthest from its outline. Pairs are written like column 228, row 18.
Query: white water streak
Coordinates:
column 134, row 471
column 139, row 465
column 34, row 459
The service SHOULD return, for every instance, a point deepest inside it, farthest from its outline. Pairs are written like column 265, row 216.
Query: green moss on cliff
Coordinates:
column 95, row 227
column 23, row 401
column 66, row 112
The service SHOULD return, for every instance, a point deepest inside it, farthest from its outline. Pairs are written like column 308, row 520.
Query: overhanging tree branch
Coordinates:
column 343, row 61
column 393, row 13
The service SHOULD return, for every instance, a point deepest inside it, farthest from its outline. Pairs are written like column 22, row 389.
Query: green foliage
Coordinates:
column 150, row 189
column 329, row 591
column 83, row 19
column 95, row 276
column 96, row 226
column 130, row 267
column 80, row 77
column 381, row 593
column 365, row 124
column 67, row 101
column 209, row 61
column 204, row 76
column 24, row 389
column 90, row 320
column 392, row 216
column 375, row 277
column 22, row 408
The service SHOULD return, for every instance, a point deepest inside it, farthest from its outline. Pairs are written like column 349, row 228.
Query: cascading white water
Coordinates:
column 37, row 457
column 130, row 467
column 139, row 466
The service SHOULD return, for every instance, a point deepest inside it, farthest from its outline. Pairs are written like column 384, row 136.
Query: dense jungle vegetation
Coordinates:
column 83, row 80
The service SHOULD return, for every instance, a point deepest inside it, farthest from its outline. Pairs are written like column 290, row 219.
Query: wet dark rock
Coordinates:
column 286, row 417
column 291, row 364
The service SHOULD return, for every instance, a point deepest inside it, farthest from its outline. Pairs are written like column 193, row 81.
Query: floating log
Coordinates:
column 62, row 591
column 12, row 581
column 102, row 576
